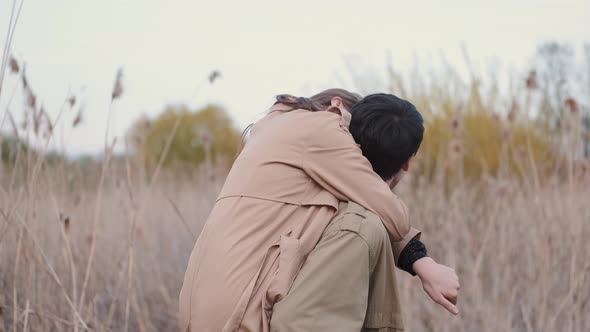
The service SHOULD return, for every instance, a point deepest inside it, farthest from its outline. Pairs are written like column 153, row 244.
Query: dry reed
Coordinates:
column 520, row 251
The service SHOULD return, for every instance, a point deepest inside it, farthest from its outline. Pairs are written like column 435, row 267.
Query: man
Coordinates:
column 348, row 281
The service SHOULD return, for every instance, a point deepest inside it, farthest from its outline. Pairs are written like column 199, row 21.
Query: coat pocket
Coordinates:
column 290, row 261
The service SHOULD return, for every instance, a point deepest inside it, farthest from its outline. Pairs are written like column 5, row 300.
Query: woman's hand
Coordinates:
column 440, row 282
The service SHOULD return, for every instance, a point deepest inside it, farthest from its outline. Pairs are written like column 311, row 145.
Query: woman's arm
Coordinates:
column 335, row 162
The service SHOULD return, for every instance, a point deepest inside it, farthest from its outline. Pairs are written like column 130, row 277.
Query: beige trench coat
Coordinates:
column 281, row 193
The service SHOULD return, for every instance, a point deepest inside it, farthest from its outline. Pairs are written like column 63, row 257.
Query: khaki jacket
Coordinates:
column 281, row 193
column 347, row 283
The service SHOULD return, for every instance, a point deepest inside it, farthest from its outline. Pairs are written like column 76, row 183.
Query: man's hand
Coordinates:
column 440, row 283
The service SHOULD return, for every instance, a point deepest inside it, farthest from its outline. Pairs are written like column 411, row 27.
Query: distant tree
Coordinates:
column 10, row 148
column 204, row 135
column 553, row 64
column 562, row 83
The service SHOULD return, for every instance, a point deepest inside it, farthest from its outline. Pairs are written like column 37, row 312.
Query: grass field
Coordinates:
column 108, row 252
column 501, row 191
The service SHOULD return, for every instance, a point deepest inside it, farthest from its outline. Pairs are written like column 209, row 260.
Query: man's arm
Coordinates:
column 439, row 282
column 400, row 246
column 411, row 253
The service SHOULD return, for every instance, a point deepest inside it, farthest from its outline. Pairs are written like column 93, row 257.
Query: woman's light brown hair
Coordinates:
column 320, row 101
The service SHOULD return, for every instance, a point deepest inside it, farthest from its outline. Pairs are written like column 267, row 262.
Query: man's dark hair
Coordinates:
column 389, row 130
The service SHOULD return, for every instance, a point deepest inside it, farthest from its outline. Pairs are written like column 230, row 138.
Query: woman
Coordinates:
column 282, row 191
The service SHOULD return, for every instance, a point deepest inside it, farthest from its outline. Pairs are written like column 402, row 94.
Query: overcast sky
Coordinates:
column 262, row 48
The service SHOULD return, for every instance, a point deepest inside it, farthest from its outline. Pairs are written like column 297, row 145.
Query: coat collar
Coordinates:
column 345, row 115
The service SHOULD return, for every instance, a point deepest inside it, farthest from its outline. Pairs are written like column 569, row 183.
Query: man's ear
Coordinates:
column 406, row 165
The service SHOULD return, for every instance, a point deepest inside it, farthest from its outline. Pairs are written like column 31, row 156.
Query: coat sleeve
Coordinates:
column 399, row 246
column 333, row 159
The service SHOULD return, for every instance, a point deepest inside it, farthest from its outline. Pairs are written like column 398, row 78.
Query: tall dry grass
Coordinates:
column 142, row 240
column 104, row 246
column 520, row 251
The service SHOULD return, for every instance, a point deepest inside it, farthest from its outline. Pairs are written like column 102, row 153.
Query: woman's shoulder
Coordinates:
column 302, row 127
column 302, row 120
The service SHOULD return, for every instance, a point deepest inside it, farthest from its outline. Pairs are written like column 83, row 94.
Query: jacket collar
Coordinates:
column 345, row 115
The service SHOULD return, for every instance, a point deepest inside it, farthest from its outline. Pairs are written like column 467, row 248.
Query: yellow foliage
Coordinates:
column 481, row 143
column 205, row 135
column 464, row 138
